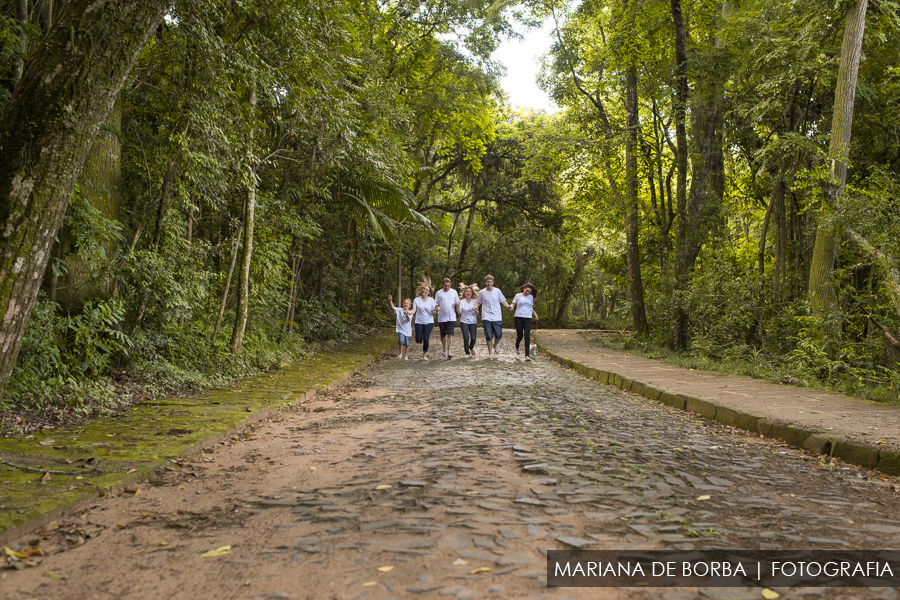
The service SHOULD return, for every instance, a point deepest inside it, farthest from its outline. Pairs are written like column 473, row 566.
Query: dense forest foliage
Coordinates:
column 263, row 174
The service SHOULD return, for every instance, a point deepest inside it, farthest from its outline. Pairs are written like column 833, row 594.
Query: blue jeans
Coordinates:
column 492, row 329
column 423, row 332
column 469, row 331
column 404, row 339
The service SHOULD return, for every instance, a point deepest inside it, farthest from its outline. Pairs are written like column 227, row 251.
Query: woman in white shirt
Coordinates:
column 524, row 306
column 468, row 310
column 424, row 307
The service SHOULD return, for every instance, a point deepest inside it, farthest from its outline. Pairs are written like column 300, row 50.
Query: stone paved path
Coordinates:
column 452, row 479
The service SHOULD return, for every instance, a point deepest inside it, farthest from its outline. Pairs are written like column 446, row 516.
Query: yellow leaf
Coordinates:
column 158, row 544
column 217, row 552
column 473, row 493
column 11, row 552
column 370, row 583
column 53, row 575
column 383, row 486
column 770, row 594
column 703, row 497
column 385, row 569
column 479, row 570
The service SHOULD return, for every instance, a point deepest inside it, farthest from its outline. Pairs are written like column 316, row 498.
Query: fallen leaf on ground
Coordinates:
column 11, row 552
column 770, row 594
column 459, row 562
column 47, row 442
column 479, row 570
column 385, row 569
column 703, row 497
column 51, row 526
column 158, row 544
column 383, row 486
column 370, row 583
column 131, row 471
column 56, row 576
column 45, row 478
column 217, row 552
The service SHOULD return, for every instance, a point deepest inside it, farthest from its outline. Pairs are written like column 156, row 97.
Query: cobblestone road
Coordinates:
column 489, row 464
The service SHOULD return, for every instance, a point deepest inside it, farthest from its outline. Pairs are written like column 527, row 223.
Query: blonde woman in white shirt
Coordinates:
column 468, row 310
column 424, row 308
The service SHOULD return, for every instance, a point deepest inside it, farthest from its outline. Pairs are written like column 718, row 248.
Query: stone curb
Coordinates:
column 72, row 504
column 812, row 440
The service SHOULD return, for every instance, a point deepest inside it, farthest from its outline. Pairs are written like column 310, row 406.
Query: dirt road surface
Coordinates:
column 451, row 479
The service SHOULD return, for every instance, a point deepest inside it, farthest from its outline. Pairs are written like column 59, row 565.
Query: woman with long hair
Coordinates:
column 468, row 321
column 524, row 307
column 424, row 308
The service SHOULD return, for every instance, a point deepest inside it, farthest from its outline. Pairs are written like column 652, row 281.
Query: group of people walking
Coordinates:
column 447, row 304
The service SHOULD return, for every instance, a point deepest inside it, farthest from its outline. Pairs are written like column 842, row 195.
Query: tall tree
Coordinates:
column 66, row 92
column 822, row 292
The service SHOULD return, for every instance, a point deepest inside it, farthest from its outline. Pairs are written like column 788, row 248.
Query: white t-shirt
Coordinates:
column 468, row 311
column 491, row 304
column 404, row 323
column 524, row 305
column 447, row 301
column 423, row 310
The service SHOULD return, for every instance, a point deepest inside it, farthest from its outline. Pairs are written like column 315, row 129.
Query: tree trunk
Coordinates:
column 19, row 61
column 243, row 305
column 100, row 184
column 632, row 223
column 678, row 333
column 580, row 263
column 763, row 234
column 46, row 130
column 779, row 217
column 885, row 263
column 464, row 246
column 822, row 290
column 400, row 273
column 295, row 276
column 234, row 252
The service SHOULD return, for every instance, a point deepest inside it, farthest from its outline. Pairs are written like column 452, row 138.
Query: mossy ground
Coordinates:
column 153, row 431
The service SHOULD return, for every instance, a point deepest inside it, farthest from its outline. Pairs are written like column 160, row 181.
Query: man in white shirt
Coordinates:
column 447, row 300
column 490, row 299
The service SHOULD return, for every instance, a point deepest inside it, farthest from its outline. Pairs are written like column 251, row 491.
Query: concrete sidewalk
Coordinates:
column 854, row 430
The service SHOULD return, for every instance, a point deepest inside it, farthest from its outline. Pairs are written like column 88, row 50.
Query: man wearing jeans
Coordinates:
column 491, row 299
column 447, row 300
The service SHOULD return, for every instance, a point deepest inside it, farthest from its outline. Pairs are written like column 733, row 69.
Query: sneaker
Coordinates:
column 517, row 350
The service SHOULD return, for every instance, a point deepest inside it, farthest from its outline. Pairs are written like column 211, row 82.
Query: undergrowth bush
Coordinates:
column 86, row 363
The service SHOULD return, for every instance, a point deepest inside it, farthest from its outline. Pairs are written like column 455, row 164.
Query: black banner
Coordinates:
column 723, row 568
